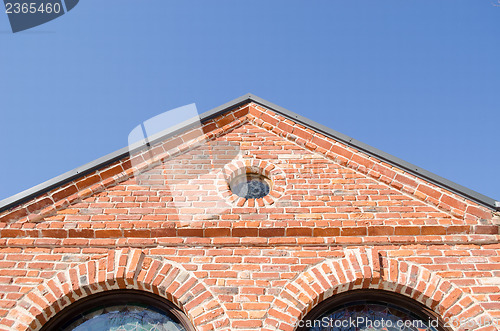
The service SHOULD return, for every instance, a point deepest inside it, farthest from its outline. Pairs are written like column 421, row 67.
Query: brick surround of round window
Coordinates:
column 274, row 175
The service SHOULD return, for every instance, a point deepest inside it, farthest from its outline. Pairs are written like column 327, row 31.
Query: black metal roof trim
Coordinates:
column 96, row 164
column 395, row 161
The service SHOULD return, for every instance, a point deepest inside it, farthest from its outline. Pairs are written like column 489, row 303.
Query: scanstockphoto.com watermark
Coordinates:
column 471, row 323
column 362, row 322
column 172, row 154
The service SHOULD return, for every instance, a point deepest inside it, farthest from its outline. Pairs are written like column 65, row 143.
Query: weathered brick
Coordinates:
column 336, row 220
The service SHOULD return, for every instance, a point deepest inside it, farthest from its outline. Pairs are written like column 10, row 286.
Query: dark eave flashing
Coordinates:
column 376, row 153
column 381, row 155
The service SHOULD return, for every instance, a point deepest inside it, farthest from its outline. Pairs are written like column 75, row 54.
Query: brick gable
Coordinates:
column 326, row 185
column 247, row 262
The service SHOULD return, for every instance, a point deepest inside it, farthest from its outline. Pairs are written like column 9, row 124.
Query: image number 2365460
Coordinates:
column 27, row 14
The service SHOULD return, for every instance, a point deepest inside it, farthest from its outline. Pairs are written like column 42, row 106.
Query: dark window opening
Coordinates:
column 251, row 186
column 129, row 310
column 371, row 310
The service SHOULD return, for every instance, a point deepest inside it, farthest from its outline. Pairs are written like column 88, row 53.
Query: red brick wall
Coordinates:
column 336, row 220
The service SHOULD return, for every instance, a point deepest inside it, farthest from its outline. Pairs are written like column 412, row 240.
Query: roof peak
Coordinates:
column 251, row 98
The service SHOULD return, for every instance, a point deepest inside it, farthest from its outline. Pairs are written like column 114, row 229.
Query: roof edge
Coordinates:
column 372, row 151
column 87, row 168
column 391, row 159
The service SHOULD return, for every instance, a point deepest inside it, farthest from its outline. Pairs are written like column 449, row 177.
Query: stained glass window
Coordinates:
column 250, row 186
column 370, row 316
column 124, row 318
column 120, row 310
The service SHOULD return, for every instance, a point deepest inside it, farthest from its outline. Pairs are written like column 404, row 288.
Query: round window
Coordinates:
column 250, row 186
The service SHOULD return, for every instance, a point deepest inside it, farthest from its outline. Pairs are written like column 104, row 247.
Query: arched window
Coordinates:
column 371, row 310
column 120, row 310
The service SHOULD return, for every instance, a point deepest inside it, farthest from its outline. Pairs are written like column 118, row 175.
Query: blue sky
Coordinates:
column 418, row 79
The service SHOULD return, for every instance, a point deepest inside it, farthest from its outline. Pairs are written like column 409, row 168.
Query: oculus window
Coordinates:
column 250, row 186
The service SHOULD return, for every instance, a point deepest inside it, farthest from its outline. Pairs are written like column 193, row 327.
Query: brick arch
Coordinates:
column 365, row 269
column 122, row 269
